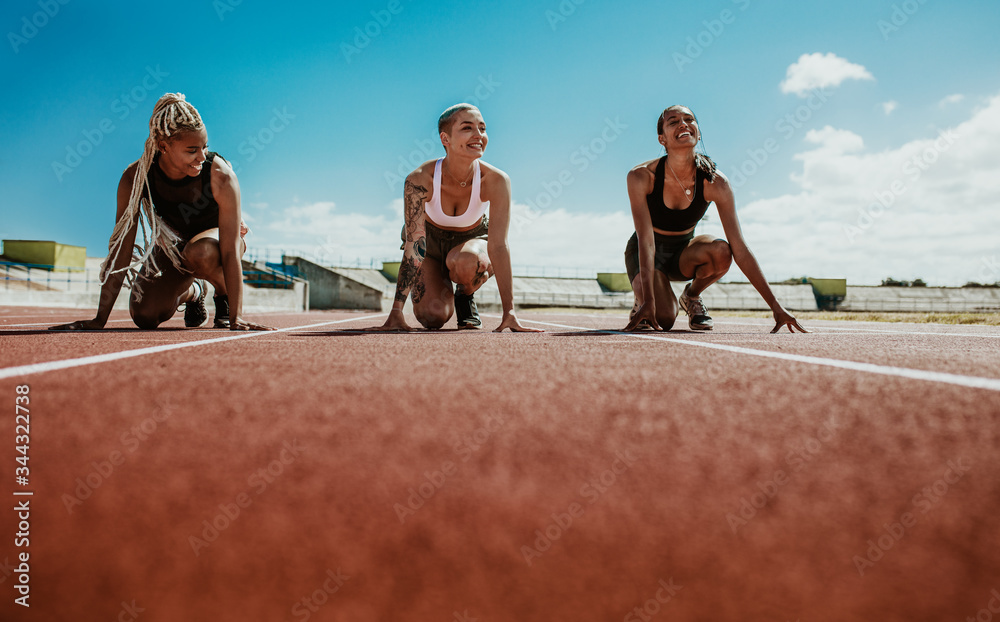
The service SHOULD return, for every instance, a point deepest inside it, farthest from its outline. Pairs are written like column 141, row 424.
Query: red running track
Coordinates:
column 580, row 474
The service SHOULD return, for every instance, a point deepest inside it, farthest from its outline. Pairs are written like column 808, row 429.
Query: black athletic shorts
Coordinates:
column 666, row 256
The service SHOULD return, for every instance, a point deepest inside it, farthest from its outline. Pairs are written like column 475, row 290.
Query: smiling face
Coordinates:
column 678, row 128
column 467, row 136
column 184, row 153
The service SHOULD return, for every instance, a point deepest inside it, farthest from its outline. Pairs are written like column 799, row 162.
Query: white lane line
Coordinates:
column 40, row 368
column 814, row 328
column 974, row 382
column 883, row 331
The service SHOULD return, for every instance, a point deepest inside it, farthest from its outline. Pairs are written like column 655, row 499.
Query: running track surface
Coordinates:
column 757, row 476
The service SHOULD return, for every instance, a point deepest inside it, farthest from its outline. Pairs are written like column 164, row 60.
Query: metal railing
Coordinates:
column 39, row 277
column 276, row 255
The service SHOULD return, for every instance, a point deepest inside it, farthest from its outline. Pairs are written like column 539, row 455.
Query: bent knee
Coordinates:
column 468, row 269
column 432, row 320
column 203, row 257
column 433, row 315
column 146, row 320
column 666, row 322
column 722, row 255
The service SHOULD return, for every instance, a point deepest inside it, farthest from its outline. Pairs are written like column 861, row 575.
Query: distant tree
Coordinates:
column 918, row 283
column 891, row 282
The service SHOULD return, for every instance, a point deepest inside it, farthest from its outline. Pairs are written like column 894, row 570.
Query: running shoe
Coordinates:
column 466, row 312
column 698, row 318
column 194, row 311
column 221, row 311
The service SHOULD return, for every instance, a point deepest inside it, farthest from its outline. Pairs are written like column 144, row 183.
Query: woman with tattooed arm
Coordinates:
column 445, row 239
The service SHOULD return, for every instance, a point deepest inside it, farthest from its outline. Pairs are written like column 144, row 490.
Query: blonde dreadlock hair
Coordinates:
column 172, row 115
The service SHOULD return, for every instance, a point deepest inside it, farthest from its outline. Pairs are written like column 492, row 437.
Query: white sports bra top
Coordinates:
column 471, row 216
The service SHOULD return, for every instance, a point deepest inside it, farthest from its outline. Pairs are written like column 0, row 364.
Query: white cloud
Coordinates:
column 926, row 209
column 318, row 230
column 557, row 238
column 951, row 99
column 890, row 106
column 816, row 71
column 834, row 140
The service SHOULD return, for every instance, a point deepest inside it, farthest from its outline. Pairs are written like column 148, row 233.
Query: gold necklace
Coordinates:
column 461, row 183
column 686, row 191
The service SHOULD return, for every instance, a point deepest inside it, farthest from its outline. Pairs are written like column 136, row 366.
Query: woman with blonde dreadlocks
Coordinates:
column 190, row 200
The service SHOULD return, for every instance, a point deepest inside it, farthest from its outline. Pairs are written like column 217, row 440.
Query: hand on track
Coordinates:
column 510, row 321
column 784, row 318
column 393, row 323
column 644, row 313
column 80, row 325
column 241, row 324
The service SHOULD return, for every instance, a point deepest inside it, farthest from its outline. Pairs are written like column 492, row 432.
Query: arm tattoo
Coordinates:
column 404, row 281
column 409, row 277
column 414, row 197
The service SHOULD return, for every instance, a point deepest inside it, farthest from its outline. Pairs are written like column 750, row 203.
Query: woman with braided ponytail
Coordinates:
column 186, row 199
column 668, row 197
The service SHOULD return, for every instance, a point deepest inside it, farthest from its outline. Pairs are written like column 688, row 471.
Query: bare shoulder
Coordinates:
column 643, row 175
column 718, row 188
column 222, row 171
column 493, row 179
column 128, row 177
column 422, row 177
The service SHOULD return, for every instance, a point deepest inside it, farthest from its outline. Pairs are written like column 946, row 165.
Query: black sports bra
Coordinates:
column 185, row 205
column 667, row 219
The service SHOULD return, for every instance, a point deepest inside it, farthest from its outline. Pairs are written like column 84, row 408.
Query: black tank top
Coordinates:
column 186, row 205
column 667, row 219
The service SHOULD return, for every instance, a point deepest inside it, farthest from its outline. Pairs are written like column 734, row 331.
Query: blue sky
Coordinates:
column 323, row 107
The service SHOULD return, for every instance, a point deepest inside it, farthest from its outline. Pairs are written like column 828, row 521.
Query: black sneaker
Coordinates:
column 698, row 318
column 466, row 312
column 221, row 311
column 194, row 311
